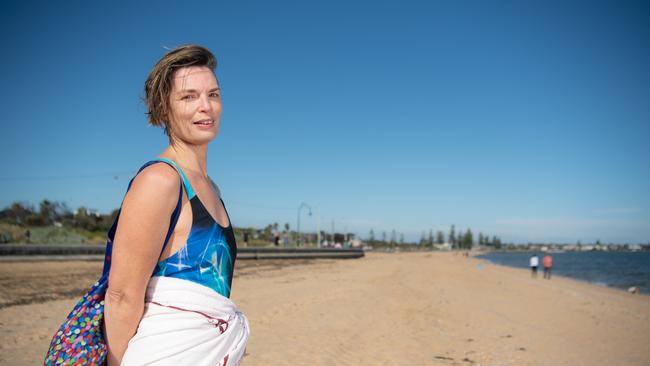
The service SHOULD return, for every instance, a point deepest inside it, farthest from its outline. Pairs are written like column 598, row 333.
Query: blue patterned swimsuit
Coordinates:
column 208, row 256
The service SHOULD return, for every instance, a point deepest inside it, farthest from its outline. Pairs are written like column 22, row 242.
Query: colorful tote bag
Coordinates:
column 80, row 339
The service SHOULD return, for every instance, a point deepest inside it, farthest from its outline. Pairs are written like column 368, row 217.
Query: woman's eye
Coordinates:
column 187, row 97
column 215, row 95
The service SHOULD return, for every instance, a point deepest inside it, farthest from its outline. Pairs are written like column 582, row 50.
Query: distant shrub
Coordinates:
column 56, row 235
column 10, row 233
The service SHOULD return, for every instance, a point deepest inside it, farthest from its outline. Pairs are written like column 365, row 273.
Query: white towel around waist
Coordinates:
column 185, row 323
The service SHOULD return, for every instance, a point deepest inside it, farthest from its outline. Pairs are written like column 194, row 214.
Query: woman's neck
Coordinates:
column 193, row 158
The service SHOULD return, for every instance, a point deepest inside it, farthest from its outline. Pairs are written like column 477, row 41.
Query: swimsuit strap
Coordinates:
column 186, row 182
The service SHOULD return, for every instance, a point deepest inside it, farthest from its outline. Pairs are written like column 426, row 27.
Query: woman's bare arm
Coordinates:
column 144, row 222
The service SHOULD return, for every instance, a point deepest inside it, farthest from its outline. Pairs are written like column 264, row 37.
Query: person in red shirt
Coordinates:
column 548, row 264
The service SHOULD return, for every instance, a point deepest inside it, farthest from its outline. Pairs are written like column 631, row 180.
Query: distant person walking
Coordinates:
column 534, row 263
column 548, row 264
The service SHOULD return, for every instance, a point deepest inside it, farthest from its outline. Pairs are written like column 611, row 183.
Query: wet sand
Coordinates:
column 384, row 309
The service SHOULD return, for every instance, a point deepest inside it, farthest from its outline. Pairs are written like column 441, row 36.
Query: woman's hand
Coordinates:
column 143, row 224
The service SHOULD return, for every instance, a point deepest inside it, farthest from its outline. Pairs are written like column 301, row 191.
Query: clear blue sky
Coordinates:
column 524, row 119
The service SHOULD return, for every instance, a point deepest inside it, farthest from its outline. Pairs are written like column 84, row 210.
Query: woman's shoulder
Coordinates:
column 158, row 177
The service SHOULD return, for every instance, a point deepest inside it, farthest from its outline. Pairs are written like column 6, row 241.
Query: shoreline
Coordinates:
column 577, row 281
column 620, row 271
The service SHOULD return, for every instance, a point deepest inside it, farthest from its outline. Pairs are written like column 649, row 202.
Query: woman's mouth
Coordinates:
column 205, row 122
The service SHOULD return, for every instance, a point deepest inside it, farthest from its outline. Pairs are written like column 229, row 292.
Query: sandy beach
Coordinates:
column 384, row 309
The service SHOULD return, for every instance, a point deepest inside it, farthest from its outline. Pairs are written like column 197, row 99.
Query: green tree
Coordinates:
column 84, row 219
column 47, row 212
column 440, row 237
column 268, row 232
column 468, row 239
column 452, row 236
column 496, row 242
column 17, row 213
column 106, row 221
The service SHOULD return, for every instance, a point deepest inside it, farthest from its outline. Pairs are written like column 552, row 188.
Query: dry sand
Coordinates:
column 384, row 309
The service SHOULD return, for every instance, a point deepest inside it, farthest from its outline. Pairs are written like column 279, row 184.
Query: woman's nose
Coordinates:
column 204, row 103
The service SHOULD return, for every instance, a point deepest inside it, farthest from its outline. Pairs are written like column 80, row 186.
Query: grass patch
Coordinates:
column 10, row 233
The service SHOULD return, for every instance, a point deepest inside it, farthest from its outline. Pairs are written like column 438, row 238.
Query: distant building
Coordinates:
column 444, row 246
column 356, row 243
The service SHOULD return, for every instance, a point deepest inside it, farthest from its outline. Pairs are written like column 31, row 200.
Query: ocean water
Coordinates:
column 620, row 270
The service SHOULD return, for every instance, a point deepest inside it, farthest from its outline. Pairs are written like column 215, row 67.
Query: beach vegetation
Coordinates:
column 440, row 237
column 53, row 222
column 452, row 236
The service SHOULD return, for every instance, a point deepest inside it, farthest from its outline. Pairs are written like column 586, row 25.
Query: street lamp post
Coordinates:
column 318, row 227
column 298, row 226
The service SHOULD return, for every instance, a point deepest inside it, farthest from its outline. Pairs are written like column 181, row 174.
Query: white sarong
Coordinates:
column 185, row 323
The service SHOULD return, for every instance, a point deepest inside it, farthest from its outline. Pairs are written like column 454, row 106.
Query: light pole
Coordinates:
column 318, row 227
column 298, row 226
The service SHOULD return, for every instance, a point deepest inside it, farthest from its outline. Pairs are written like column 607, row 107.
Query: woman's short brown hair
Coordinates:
column 157, row 88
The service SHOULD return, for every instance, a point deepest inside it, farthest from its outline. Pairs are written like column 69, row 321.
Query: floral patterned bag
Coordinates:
column 80, row 339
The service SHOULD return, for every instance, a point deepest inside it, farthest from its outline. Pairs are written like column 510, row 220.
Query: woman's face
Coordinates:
column 195, row 105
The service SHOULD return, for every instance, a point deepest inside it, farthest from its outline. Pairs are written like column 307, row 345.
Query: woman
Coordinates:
column 181, row 315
